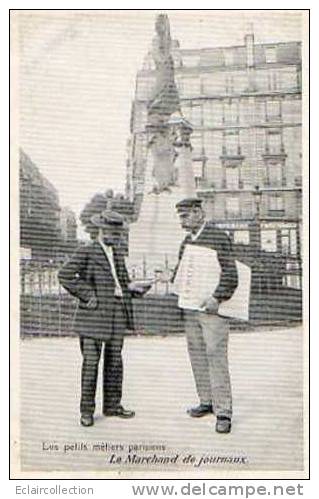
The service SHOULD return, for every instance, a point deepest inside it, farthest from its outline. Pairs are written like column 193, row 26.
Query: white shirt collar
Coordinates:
column 198, row 233
column 105, row 246
column 108, row 251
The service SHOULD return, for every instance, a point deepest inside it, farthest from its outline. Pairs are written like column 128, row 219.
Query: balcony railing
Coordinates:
column 276, row 183
column 276, row 213
column 274, row 153
column 201, row 183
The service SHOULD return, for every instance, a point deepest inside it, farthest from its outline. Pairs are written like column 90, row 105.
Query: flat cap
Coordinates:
column 107, row 218
column 188, row 203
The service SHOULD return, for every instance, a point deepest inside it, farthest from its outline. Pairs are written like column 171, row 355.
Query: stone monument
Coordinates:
column 156, row 236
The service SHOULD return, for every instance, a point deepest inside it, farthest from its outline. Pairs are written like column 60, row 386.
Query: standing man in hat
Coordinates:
column 96, row 274
column 206, row 332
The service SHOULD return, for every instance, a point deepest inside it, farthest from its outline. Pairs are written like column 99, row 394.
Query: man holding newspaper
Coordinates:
column 206, row 281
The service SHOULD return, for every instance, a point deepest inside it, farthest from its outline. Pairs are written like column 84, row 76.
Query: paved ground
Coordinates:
column 266, row 370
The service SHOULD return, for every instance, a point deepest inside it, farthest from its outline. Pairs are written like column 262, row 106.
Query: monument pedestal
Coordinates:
column 156, row 236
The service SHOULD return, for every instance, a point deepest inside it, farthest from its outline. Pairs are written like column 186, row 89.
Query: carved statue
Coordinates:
column 163, row 103
column 165, row 99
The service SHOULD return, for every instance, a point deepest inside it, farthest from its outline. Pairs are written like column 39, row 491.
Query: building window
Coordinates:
column 276, row 204
column 248, row 208
column 229, row 57
column 274, row 143
column 262, row 79
column 273, row 110
column 275, row 174
column 232, row 177
column 288, row 79
column 229, row 84
column 179, row 84
column 292, row 279
column 199, row 172
column 293, row 242
column 268, row 240
column 197, row 144
column 186, row 110
column 213, row 84
column 195, row 116
column 273, row 81
column 190, row 87
column 289, row 241
column 232, row 206
column 208, row 114
column 231, row 112
column 241, row 237
column 231, row 144
column 210, row 144
column 271, row 55
column 285, row 246
column 193, row 113
column 191, row 60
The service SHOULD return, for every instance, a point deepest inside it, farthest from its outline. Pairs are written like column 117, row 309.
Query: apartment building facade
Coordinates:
column 244, row 103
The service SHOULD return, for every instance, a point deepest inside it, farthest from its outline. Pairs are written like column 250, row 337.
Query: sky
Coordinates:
column 77, row 73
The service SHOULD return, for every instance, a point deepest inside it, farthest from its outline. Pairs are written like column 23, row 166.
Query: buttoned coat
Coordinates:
column 88, row 273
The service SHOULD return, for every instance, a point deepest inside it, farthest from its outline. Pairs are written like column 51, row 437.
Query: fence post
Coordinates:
column 144, row 267
column 40, row 296
column 166, row 273
column 59, row 310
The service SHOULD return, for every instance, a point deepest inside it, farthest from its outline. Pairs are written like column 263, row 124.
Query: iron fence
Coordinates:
column 47, row 309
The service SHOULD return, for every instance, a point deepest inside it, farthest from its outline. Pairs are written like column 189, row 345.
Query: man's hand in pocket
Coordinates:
column 210, row 306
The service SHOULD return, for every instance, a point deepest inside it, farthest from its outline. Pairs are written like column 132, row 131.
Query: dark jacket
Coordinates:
column 88, row 273
column 214, row 238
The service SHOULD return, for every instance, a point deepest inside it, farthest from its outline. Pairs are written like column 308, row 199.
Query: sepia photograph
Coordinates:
column 159, row 175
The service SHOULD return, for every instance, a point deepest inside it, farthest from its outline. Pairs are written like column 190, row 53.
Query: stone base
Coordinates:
column 156, row 236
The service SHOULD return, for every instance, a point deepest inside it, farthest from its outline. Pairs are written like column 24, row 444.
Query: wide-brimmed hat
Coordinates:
column 107, row 218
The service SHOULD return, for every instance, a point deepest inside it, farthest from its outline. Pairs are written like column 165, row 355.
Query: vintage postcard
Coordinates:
column 159, row 243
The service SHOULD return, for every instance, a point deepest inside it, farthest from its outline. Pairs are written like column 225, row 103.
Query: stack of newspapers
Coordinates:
column 198, row 276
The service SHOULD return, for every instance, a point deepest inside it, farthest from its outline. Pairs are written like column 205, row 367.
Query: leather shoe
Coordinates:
column 119, row 412
column 87, row 420
column 200, row 410
column 223, row 424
